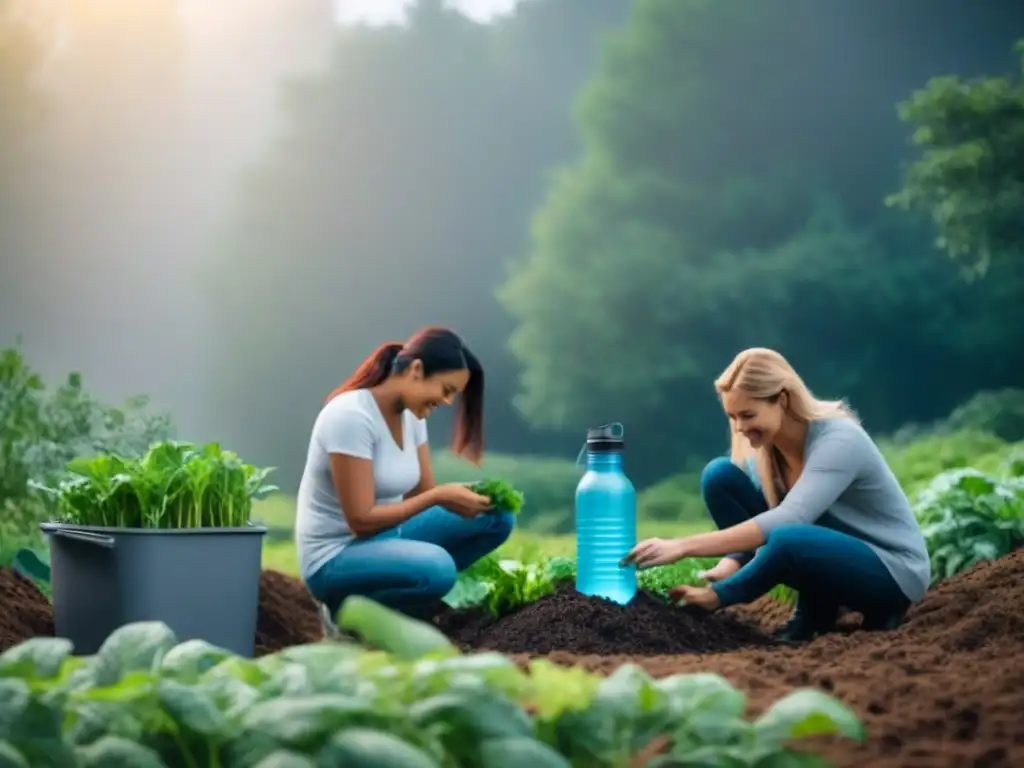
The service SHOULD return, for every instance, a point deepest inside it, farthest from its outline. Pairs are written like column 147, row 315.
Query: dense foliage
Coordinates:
column 967, row 516
column 969, row 178
column 146, row 700
column 708, row 190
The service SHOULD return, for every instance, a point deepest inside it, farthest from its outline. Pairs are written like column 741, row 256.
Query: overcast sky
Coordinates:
column 393, row 11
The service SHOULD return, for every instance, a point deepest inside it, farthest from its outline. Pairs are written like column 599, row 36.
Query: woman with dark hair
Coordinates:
column 371, row 520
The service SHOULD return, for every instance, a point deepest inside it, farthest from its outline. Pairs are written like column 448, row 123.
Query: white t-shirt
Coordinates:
column 352, row 424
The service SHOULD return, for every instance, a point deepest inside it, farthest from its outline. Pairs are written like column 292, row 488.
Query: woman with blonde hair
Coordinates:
column 805, row 499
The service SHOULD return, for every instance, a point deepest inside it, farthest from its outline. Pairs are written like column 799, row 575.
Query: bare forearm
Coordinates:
column 384, row 516
column 744, row 537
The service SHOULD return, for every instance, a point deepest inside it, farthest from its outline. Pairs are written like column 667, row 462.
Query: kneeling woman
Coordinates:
column 371, row 520
column 820, row 511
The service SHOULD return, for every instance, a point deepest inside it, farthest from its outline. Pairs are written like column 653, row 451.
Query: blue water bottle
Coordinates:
column 605, row 519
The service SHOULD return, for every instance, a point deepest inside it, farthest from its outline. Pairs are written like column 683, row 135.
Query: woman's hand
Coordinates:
column 652, row 552
column 702, row 597
column 725, row 568
column 460, row 500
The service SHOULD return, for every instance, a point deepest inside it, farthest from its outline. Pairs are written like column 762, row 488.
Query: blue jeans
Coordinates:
column 828, row 568
column 411, row 566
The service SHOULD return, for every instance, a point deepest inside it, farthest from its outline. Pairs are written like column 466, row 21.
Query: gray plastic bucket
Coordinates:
column 202, row 582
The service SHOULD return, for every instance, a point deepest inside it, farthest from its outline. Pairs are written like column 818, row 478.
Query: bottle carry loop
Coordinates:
column 614, row 431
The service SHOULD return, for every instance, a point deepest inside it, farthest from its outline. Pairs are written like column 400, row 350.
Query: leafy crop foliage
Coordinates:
column 967, row 516
column 502, row 494
column 414, row 702
column 502, row 586
column 173, row 485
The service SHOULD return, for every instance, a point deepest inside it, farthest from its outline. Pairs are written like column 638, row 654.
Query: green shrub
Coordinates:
column 967, row 516
column 920, row 461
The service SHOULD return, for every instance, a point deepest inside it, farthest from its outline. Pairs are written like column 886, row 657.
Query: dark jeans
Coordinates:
column 828, row 568
column 411, row 566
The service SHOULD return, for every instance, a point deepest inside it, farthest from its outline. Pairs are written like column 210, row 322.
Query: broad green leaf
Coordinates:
column 285, row 759
column 555, row 689
column 11, row 757
column 138, row 646
column 391, row 631
column 132, row 687
column 114, row 752
column 306, row 721
column 40, row 658
column 703, row 692
column 806, row 712
column 520, row 752
column 472, row 715
column 191, row 659
column 15, row 698
column 194, row 708
column 370, row 748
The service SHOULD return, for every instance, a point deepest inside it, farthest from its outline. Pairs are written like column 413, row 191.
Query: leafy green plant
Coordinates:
column 174, row 485
column 502, row 494
column 503, row 586
column 967, row 516
column 414, row 701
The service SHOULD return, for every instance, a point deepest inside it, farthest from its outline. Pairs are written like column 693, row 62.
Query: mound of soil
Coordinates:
column 287, row 614
column 569, row 621
column 24, row 610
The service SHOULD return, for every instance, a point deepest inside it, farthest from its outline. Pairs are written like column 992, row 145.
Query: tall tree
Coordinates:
column 397, row 188
column 969, row 177
column 702, row 218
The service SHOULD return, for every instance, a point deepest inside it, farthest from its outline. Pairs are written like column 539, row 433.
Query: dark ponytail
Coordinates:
column 372, row 371
column 468, row 430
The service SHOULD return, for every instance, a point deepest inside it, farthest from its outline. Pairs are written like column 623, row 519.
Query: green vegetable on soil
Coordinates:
column 174, row 485
column 148, row 700
column 503, row 494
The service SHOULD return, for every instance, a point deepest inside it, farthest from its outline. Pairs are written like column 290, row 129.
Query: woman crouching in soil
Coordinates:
column 820, row 506
column 371, row 520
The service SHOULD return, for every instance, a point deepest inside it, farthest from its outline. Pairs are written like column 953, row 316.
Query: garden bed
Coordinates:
column 944, row 690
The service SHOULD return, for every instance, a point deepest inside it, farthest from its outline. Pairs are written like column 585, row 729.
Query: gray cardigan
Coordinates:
column 847, row 485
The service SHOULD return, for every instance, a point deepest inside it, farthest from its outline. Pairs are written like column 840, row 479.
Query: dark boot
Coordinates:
column 883, row 622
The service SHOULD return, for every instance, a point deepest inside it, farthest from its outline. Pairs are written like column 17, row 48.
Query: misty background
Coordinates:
column 227, row 205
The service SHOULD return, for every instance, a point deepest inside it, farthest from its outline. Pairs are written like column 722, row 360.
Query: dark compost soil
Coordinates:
column 571, row 622
column 945, row 690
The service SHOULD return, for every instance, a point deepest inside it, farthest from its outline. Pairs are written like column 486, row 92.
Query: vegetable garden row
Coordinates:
column 518, row 669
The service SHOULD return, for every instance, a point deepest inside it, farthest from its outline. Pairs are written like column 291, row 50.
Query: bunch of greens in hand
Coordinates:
column 503, row 494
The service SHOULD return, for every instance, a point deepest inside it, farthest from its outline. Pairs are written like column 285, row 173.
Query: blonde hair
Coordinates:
column 763, row 374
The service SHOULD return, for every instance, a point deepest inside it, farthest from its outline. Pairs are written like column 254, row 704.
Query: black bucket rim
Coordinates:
column 52, row 527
